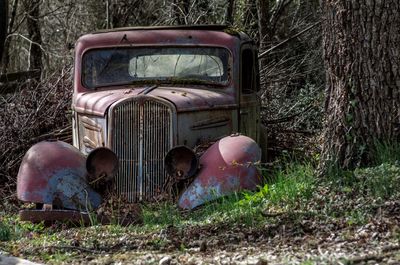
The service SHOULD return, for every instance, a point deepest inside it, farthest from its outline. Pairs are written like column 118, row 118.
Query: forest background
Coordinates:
column 330, row 91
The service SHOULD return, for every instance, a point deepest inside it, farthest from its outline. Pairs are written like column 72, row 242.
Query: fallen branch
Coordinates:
column 366, row 258
column 93, row 251
column 289, row 118
column 19, row 76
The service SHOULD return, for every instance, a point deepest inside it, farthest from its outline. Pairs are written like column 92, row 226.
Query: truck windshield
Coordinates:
column 116, row 66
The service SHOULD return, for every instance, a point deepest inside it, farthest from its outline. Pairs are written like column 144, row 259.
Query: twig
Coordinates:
column 287, row 40
column 69, row 248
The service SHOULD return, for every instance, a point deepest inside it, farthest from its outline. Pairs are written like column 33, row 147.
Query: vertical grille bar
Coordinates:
column 142, row 137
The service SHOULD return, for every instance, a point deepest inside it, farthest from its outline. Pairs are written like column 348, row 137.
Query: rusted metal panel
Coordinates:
column 54, row 173
column 227, row 166
column 92, row 133
column 215, row 27
column 185, row 99
column 181, row 162
column 207, row 125
column 102, row 166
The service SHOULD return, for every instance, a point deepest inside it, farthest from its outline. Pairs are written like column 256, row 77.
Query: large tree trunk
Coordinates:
column 3, row 24
column 230, row 12
column 263, row 21
column 10, row 27
column 32, row 7
column 263, row 26
column 362, row 58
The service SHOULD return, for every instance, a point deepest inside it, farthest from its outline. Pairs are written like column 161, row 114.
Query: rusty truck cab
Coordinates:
column 142, row 91
column 151, row 106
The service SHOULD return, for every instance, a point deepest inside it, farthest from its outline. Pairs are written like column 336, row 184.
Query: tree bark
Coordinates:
column 3, row 24
column 229, row 12
column 361, row 40
column 32, row 7
column 263, row 9
column 6, row 54
column 263, row 22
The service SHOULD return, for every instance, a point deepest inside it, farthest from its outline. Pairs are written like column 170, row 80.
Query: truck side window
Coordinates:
column 247, row 71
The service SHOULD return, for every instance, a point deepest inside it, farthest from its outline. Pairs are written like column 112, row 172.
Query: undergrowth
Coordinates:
column 380, row 181
column 292, row 186
column 293, row 193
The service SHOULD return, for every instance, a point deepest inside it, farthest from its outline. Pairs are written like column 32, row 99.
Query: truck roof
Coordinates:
column 213, row 27
column 211, row 35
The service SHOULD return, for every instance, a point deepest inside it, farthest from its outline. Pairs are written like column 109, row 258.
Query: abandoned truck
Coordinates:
column 143, row 99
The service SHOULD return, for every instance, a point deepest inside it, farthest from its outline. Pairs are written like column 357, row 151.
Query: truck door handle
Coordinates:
column 244, row 112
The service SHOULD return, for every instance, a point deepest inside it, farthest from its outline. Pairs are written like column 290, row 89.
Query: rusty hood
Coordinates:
column 184, row 99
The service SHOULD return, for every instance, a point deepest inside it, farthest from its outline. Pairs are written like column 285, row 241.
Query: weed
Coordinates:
column 164, row 214
column 308, row 262
column 293, row 184
column 5, row 232
column 356, row 217
column 296, row 182
column 380, row 182
column 158, row 243
column 386, row 152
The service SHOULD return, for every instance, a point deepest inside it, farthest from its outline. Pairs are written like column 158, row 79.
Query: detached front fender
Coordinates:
column 227, row 166
column 54, row 172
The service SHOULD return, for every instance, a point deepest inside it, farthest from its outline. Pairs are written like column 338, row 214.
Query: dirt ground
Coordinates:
column 284, row 241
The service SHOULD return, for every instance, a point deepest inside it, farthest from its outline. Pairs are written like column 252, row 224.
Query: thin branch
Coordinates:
column 291, row 117
column 288, row 40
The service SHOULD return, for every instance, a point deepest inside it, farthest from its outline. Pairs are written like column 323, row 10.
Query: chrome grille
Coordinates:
column 142, row 135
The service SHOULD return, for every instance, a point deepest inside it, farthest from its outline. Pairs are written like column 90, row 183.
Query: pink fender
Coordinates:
column 54, row 172
column 226, row 167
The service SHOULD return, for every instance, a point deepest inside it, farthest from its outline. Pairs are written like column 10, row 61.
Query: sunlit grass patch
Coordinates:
column 381, row 182
column 225, row 209
column 291, row 186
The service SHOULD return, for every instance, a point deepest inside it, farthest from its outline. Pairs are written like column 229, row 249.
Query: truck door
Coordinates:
column 249, row 99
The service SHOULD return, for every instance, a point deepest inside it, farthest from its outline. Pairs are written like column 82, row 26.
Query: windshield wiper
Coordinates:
column 147, row 90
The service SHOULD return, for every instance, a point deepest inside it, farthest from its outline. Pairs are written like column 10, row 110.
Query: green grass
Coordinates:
column 291, row 187
column 378, row 182
column 356, row 217
column 386, row 152
column 5, row 232
column 226, row 209
column 293, row 193
column 381, row 182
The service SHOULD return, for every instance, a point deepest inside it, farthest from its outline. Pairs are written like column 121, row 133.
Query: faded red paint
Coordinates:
column 185, row 99
column 152, row 37
column 227, row 166
column 53, row 171
column 40, row 163
column 169, row 114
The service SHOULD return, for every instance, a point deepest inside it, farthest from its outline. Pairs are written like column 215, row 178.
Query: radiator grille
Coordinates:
column 142, row 136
